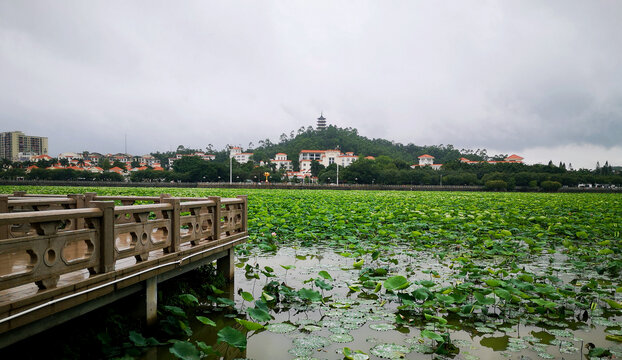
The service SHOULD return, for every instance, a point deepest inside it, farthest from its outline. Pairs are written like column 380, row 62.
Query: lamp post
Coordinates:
column 328, row 181
column 337, row 172
column 372, row 181
column 230, row 168
column 356, row 180
column 255, row 176
column 218, row 178
column 237, row 178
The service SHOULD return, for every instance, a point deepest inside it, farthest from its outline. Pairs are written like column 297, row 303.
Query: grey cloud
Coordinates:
column 508, row 75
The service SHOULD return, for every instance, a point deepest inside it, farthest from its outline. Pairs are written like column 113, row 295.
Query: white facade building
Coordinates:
column 280, row 161
column 325, row 157
column 239, row 156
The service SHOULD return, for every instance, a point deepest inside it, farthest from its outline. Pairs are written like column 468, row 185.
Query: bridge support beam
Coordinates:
column 225, row 265
column 151, row 299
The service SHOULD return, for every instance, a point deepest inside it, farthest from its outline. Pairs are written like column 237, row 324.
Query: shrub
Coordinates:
column 550, row 186
column 496, row 185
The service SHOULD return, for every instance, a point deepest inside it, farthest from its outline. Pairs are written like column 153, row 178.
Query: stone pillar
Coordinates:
column 4, row 208
column 79, row 223
column 151, row 298
column 106, row 235
column 217, row 209
column 244, row 212
column 175, row 222
column 225, row 265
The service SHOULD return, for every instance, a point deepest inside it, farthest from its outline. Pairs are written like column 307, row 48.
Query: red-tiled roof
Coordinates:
column 426, row 156
column 514, row 157
column 43, row 156
column 370, row 157
column 280, row 154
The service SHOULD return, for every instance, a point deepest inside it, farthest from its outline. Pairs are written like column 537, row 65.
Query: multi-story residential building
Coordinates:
column 427, row 160
column 69, row 156
column 93, row 157
column 14, row 145
column 325, row 157
column 239, row 156
column 36, row 158
column 124, row 158
column 280, row 161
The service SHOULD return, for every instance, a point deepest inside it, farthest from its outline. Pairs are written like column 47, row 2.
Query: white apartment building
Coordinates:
column 239, row 156
column 280, row 161
column 325, row 157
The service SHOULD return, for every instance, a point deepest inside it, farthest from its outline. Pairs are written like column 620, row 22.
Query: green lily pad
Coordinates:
column 341, row 338
column 390, row 351
column 280, row 328
column 382, row 327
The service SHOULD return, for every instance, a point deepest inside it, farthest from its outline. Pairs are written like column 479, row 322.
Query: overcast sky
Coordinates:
column 542, row 79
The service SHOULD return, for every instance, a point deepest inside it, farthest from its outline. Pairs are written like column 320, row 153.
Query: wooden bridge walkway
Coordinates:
column 62, row 256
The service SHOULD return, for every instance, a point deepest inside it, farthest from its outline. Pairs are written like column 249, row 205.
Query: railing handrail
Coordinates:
column 48, row 215
column 189, row 204
column 41, row 201
column 131, row 209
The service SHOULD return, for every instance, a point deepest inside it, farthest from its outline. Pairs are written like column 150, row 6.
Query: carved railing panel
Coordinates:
column 199, row 224
column 141, row 232
column 232, row 215
column 44, row 256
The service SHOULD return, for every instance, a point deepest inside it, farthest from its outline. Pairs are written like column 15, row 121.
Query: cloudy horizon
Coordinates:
column 539, row 79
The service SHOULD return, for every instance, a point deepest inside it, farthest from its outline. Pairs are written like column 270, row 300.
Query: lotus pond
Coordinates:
column 389, row 275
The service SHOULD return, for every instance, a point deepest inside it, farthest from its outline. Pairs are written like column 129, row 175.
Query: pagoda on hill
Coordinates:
column 321, row 122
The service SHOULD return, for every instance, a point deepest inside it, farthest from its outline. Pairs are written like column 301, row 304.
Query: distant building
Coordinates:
column 325, row 157
column 427, row 160
column 321, row 122
column 280, row 162
column 14, row 145
column 510, row 159
column 239, row 156
column 69, row 156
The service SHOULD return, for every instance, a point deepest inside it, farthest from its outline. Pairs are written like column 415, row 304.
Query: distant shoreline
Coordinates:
column 291, row 186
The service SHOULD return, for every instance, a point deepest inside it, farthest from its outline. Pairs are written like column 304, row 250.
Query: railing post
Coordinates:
column 88, row 197
column 79, row 224
column 217, row 209
column 106, row 235
column 244, row 211
column 4, row 208
column 175, row 223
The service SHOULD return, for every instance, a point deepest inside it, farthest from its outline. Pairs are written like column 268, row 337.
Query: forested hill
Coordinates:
column 348, row 139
